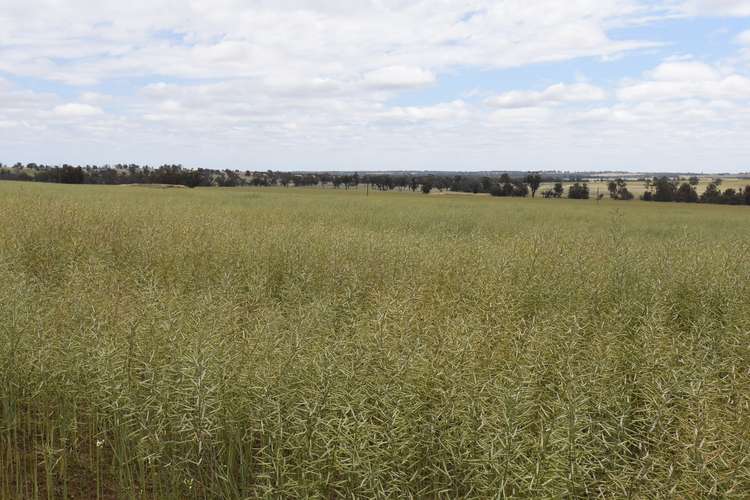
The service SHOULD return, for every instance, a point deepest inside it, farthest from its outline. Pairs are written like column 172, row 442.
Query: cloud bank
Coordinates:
column 368, row 84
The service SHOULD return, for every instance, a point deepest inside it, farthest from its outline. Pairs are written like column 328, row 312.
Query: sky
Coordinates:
column 362, row 85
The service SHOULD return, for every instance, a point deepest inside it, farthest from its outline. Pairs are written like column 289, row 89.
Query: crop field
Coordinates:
column 244, row 343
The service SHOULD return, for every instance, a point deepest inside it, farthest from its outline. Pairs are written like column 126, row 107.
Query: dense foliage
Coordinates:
column 665, row 189
column 578, row 191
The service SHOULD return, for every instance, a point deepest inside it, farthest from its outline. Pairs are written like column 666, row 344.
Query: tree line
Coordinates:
column 179, row 175
column 672, row 190
column 662, row 189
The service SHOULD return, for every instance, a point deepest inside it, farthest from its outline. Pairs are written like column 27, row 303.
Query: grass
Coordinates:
column 237, row 343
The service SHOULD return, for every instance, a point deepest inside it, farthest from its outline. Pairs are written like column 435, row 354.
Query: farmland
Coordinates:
column 295, row 342
column 638, row 187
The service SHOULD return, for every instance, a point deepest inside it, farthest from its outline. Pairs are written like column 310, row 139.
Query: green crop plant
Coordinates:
column 243, row 343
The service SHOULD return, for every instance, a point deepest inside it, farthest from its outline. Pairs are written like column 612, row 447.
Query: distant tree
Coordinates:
column 731, row 197
column 624, row 194
column 746, row 195
column 533, row 181
column 443, row 183
column 520, row 189
column 694, row 180
column 578, row 191
column 501, row 189
column 325, row 179
column 718, row 181
column 711, row 194
column 618, row 189
column 486, row 184
column 555, row 192
column 516, row 188
column 686, row 193
column 664, row 189
column 259, row 180
column 612, row 188
column 71, row 175
column 427, row 185
column 227, row 178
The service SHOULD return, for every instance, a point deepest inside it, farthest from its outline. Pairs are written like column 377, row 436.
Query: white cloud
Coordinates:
column 686, row 80
column 395, row 42
column 684, row 70
column 95, row 98
column 11, row 97
column 743, row 38
column 522, row 118
column 440, row 112
column 314, row 84
column 716, row 7
column 398, row 77
column 75, row 110
column 170, row 106
column 554, row 94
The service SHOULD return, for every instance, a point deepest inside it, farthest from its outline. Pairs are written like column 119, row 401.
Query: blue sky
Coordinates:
column 389, row 84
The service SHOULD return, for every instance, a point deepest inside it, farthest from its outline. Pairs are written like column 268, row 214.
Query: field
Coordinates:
column 638, row 187
column 241, row 343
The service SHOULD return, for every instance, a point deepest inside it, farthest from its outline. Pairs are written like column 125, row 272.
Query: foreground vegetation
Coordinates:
column 291, row 343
